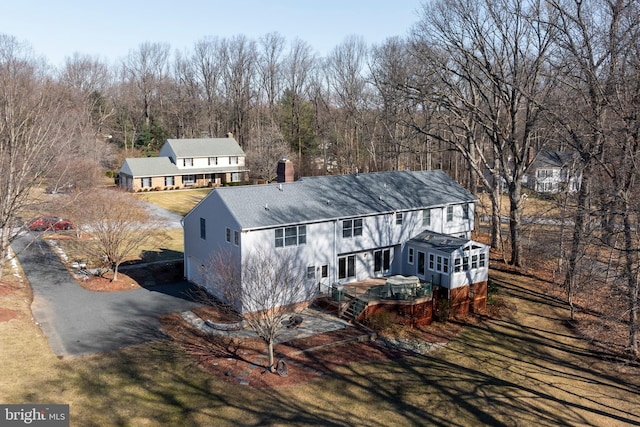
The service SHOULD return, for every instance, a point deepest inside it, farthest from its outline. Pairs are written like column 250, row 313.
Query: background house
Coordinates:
column 553, row 171
column 341, row 229
column 186, row 162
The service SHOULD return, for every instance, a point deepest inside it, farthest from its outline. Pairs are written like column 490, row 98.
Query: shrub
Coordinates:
column 380, row 321
column 157, row 189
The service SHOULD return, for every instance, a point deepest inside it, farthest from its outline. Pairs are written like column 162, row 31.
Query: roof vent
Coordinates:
column 266, row 206
column 280, row 187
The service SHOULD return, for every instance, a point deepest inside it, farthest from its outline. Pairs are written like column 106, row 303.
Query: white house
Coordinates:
column 186, row 162
column 342, row 228
column 553, row 171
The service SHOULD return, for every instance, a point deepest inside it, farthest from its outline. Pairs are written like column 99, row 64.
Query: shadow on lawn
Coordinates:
column 500, row 372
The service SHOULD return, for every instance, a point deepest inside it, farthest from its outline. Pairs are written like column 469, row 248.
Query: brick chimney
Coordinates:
column 285, row 170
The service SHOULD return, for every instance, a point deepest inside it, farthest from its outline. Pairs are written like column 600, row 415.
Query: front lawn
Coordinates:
column 177, row 201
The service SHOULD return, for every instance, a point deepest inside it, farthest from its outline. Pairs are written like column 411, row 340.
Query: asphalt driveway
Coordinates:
column 77, row 321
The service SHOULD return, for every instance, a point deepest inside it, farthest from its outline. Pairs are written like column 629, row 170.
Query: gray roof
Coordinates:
column 149, row 166
column 553, row 159
column 205, row 147
column 324, row 198
column 440, row 242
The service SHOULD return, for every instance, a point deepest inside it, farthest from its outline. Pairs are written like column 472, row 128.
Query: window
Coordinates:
column 169, row 181
column 347, row 267
column 213, row 161
column 421, row 263
column 236, row 237
column 465, row 263
column 399, row 218
column 381, row 260
column 233, row 160
column 431, row 262
column 439, row 264
column 351, row 227
column 311, row 272
column 474, row 261
column 445, row 265
column 465, row 211
column 457, row 265
column 426, row 217
column 347, row 228
column 203, row 229
column 228, row 235
column 236, row 176
column 449, row 213
column 357, row 227
column 482, row 261
column 188, row 179
column 187, row 162
column 544, row 173
column 145, row 182
column 410, row 260
column 325, row 271
column 291, row 236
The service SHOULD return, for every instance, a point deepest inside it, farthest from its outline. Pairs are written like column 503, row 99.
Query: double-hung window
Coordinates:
column 187, row 162
column 426, row 217
column 399, row 218
column 351, row 228
column 449, row 213
column 290, row 236
column 203, row 229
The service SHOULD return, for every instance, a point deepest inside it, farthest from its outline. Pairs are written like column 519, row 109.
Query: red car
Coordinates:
column 44, row 222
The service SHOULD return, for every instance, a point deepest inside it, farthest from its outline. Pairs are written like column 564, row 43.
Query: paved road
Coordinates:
column 77, row 321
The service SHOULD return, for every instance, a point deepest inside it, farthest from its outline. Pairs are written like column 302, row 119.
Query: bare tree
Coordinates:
column 117, row 225
column 265, row 287
column 148, row 69
column 267, row 147
column 34, row 129
column 497, row 48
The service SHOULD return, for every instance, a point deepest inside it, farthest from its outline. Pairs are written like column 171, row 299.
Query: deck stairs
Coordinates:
column 351, row 307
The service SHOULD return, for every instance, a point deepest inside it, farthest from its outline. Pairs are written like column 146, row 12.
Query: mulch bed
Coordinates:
column 7, row 314
column 244, row 361
column 105, row 283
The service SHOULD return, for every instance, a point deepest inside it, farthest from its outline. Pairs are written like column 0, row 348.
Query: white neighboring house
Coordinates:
column 341, row 228
column 554, row 171
column 186, row 162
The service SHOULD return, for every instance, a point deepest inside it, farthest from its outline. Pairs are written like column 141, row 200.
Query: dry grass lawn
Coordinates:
column 177, row 201
column 525, row 367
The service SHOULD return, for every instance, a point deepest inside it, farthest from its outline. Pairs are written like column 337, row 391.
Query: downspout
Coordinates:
column 334, row 258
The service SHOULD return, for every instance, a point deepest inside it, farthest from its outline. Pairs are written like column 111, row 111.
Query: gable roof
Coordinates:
column 324, row 198
column 553, row 159
column 149, row 166
column 204, row 147
column 441, row 242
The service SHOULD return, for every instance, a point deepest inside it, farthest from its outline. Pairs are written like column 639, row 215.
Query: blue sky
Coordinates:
column 110, row 29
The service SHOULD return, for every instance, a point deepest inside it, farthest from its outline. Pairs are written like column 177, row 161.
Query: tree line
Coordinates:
column 476, row 88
